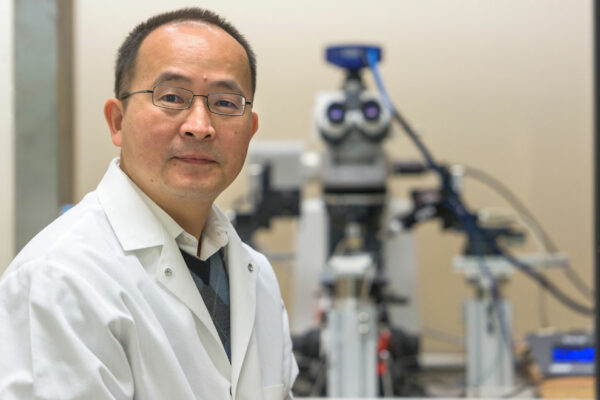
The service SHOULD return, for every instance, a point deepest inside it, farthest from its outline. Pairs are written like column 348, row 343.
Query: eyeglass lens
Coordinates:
column 179, row 98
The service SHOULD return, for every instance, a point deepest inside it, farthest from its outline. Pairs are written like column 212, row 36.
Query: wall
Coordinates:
column 6, row 134
column 504, row 86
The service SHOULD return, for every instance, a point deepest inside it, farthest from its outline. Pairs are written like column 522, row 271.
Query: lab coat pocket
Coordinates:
column 275, row 392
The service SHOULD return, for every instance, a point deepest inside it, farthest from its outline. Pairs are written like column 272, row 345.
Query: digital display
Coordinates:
column 573, row 354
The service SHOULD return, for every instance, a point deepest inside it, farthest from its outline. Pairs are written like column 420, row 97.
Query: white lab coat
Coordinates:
column 101, row 305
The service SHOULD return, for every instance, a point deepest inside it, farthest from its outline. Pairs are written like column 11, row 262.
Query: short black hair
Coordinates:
column 128, row 51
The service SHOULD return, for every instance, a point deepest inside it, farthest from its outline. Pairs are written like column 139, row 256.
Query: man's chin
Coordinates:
column 195, row 191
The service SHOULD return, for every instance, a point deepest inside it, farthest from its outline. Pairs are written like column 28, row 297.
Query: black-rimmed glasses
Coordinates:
column 176, row 98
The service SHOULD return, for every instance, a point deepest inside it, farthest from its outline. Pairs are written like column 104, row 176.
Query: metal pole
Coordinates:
column 43, row 113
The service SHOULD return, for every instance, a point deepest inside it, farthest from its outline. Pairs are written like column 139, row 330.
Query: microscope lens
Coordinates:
column 335, row 113
column 371, row 110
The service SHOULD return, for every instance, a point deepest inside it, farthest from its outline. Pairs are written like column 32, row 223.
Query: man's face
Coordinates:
column 192, row 154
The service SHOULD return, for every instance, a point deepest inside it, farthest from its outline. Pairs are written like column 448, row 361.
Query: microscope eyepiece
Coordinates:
column 371, row 110
column 336, row 113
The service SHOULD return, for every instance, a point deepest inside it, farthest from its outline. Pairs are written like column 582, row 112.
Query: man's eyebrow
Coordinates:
column 228, row 85
column 171, row 76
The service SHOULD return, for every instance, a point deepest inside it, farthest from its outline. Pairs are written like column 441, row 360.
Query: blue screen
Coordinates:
column 573, row 354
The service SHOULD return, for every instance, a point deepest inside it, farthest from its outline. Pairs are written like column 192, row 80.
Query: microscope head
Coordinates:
column 352, row 121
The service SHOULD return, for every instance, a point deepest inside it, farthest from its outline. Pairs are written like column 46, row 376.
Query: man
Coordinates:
column 144, row 290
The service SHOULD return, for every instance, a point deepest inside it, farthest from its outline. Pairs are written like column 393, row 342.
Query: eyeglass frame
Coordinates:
column 189, row 105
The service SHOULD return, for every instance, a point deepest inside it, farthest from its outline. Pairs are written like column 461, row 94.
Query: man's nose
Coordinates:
column 198, row 121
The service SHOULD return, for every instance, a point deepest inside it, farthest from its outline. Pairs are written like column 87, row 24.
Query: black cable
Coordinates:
column 472, row 229
column 372, row 62
column 545, row 283
column 469, row 223
column 460, row 210
column 503, row 191
column 508, row 195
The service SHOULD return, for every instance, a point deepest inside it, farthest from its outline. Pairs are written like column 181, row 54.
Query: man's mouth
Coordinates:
column 196, row 159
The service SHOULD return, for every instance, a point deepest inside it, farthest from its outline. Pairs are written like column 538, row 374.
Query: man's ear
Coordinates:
column 254, row 124
column 113, row 113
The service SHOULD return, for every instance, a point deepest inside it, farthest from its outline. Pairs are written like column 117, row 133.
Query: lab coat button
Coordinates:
column 168, row 271
column 250, row 267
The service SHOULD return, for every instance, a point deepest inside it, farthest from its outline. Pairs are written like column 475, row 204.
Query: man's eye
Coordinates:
column 225, row 104
column 171, row 99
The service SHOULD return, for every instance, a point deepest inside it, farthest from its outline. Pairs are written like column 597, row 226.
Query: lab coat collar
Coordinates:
column 138, row 221
column 134, row 224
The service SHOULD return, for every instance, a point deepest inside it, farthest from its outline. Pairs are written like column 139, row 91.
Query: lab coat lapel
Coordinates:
column 243, row 272
column 181, row 284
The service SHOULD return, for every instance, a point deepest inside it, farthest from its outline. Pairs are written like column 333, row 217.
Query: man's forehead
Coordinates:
column 185, row 27
column 183, row 36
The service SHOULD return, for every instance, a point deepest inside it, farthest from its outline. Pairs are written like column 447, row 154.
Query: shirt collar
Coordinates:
column 139, row 222
column 213, row 237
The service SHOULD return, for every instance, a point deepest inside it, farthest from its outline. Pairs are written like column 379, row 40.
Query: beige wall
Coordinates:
column 505, row 86
column 6, row 134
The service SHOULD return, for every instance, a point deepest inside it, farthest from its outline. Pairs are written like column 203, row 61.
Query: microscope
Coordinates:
column 351, row 349
column 353, row 124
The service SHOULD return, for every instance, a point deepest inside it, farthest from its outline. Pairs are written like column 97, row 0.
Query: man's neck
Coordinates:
column 190, row 215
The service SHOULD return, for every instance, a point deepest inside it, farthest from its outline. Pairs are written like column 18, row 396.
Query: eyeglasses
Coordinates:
column 176, row 98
